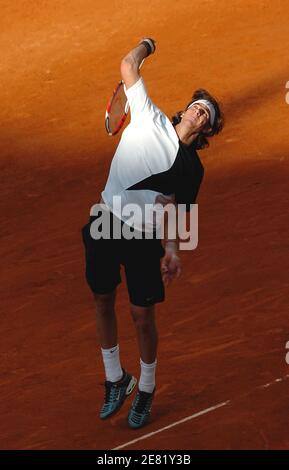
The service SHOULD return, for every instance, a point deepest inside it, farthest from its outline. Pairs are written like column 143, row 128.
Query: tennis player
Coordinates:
column 156, row 161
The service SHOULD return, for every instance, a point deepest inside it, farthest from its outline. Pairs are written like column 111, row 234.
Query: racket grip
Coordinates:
column 149, row 45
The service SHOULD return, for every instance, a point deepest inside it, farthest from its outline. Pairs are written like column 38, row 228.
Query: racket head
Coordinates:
column 116, row 110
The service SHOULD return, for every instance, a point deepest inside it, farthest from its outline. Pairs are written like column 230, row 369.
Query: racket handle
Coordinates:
column 149, row 45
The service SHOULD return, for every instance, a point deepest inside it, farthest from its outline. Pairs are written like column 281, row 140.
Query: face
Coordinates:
column 197, row 117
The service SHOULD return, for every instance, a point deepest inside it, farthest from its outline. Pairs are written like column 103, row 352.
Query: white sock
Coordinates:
column 113, row 370
column 147, row 381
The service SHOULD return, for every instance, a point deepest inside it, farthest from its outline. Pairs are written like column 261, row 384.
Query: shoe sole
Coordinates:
column 129, row 390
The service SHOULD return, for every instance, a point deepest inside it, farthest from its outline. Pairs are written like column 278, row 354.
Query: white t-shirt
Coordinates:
column 149, row 161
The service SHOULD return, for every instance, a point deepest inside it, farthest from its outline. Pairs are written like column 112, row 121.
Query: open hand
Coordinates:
column 170, row 266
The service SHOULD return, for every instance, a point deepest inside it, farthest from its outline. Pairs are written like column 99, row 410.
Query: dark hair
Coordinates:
column 202, row 140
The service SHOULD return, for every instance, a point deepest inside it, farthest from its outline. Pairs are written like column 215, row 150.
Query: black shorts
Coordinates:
column 140, row 258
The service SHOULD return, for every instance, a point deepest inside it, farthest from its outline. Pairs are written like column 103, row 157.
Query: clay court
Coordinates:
column 222, row 376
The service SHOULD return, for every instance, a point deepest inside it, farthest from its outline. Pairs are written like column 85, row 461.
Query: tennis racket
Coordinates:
column 117, row 109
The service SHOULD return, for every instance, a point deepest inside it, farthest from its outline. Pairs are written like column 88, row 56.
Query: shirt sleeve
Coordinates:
column 138, row 99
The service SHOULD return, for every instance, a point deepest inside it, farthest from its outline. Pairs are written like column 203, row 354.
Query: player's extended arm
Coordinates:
column 129, row 67
column 171, row 263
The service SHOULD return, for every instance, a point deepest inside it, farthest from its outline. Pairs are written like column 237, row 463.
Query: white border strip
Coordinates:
column 188, row 418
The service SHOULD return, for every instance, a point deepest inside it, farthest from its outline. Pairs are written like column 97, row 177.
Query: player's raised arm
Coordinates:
column 131, row 63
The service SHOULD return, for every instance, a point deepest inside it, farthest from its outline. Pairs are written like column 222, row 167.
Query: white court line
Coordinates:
column 195, row 415
column 280, row 379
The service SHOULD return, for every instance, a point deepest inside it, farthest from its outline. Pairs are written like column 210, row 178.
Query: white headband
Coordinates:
column 210, row 106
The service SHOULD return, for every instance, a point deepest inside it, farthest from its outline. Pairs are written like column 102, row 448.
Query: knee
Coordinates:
column 104, row 299
column 143, row 318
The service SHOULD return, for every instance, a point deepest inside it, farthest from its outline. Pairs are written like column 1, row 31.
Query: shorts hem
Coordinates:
column 146, row 303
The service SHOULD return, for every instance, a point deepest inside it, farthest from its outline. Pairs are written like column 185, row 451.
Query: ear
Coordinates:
column 207, row 130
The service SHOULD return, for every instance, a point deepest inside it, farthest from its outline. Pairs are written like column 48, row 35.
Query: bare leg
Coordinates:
column 147, row 335
column 106, row 320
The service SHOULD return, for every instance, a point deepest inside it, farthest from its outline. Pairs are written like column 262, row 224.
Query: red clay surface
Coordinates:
column 224, row 325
